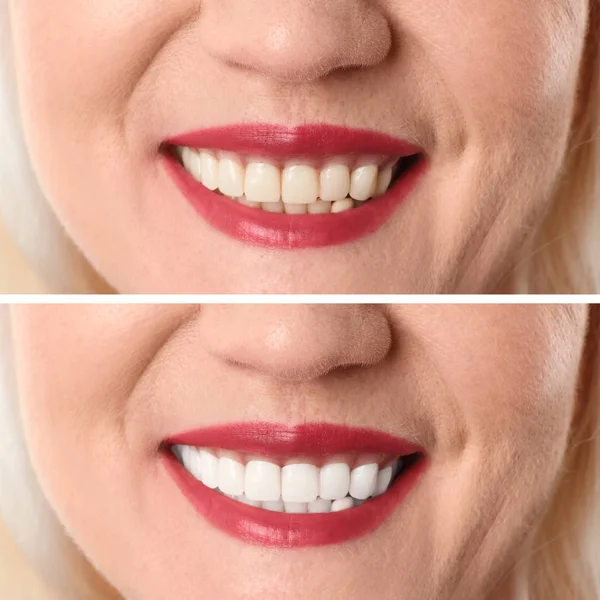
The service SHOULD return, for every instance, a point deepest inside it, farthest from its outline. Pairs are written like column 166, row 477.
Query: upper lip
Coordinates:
column 278, row 141
column 308, row 439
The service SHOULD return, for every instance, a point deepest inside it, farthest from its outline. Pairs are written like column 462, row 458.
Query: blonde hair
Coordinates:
column 561, row 561
column 24, row 211
column 565, row 255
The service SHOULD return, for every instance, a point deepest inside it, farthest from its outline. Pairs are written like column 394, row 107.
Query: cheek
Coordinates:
column 76, row 367
column 516, row 385
column 506, row 65
column 79, row 65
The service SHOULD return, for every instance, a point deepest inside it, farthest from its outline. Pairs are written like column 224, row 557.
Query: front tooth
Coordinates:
column 263, row 183
column 342, row 205
column 209, row 465
column 384, row 478
column 319, row 207
column 342, row 504
column 192, row 162
column 383, row 181
column 299, row 483
column 263, row 481
column 335, row 183
column 190, row 457
column 276, row 506
column 210, row 170
column 299, row 185
column 295, row 507
column 296, row 209
column 231, row 177
column 334, row 481
column 320, row 505
column 364, row 182
column 231, row 476
column 363, row 481
column 274, row 207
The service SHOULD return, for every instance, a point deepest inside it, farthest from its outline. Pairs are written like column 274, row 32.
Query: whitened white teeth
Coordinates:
column 294, row 488
column 209, row 467
column 363, row 481
column 335, row 481
column 263, row 481
column 295, row 189
column 299, row 483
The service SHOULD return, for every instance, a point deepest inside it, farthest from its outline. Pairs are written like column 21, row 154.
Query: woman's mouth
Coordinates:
column 311, row 485
column 293, row 188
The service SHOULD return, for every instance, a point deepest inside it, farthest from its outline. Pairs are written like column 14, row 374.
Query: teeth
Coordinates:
column 299, row 185
column 231, row 476
column 335, row 481
column 296, row 209
column 209, row 466
column 364, row 182
column 247, row 202
column 363, row 481
column 319, row 207
column 294, row 488
column 192, row 162
column 342, row 504
column 276, row 506
column 263, row 183
column 191, row 457
column 295, row 507
column 210, row 170
column 231, row 177
column 297, row 189
column 384, row 478
column 335, row 183
column 342, row 205
column 276, row 207
column 263, row 481
column 319, row 506
column 299, row 483
column 383, row 181
column 245, row 500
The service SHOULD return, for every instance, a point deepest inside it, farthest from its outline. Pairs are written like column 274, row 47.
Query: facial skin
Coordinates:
column 490, row 391
column 488, row 89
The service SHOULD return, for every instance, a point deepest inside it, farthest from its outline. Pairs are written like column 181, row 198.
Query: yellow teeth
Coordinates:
column 293, row 189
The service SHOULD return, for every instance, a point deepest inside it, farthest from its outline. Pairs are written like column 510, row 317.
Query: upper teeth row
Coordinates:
column 262, row 182
column 263, row 481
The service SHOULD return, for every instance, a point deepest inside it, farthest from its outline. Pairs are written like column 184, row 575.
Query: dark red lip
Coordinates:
column 281, row 231
column 266, row 528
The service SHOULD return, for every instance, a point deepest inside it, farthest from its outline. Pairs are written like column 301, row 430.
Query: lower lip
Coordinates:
column 288, row 232
column 280, row 530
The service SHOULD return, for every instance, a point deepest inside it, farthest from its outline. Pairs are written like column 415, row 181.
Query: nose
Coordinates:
column 295, row 40
column 296, row 342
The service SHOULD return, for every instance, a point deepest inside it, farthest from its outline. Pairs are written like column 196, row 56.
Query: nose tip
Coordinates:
column 298, row 40
column 296, row 343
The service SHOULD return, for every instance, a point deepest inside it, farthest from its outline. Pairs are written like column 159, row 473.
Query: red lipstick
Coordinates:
column 283, row 231
column 273, row 529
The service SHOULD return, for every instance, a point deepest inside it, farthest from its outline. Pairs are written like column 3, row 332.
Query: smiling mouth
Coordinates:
column 296, row 487
column 310, row 485
column 293, row 187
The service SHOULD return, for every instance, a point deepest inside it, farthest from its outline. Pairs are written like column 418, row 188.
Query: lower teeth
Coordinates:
column 318, row 506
